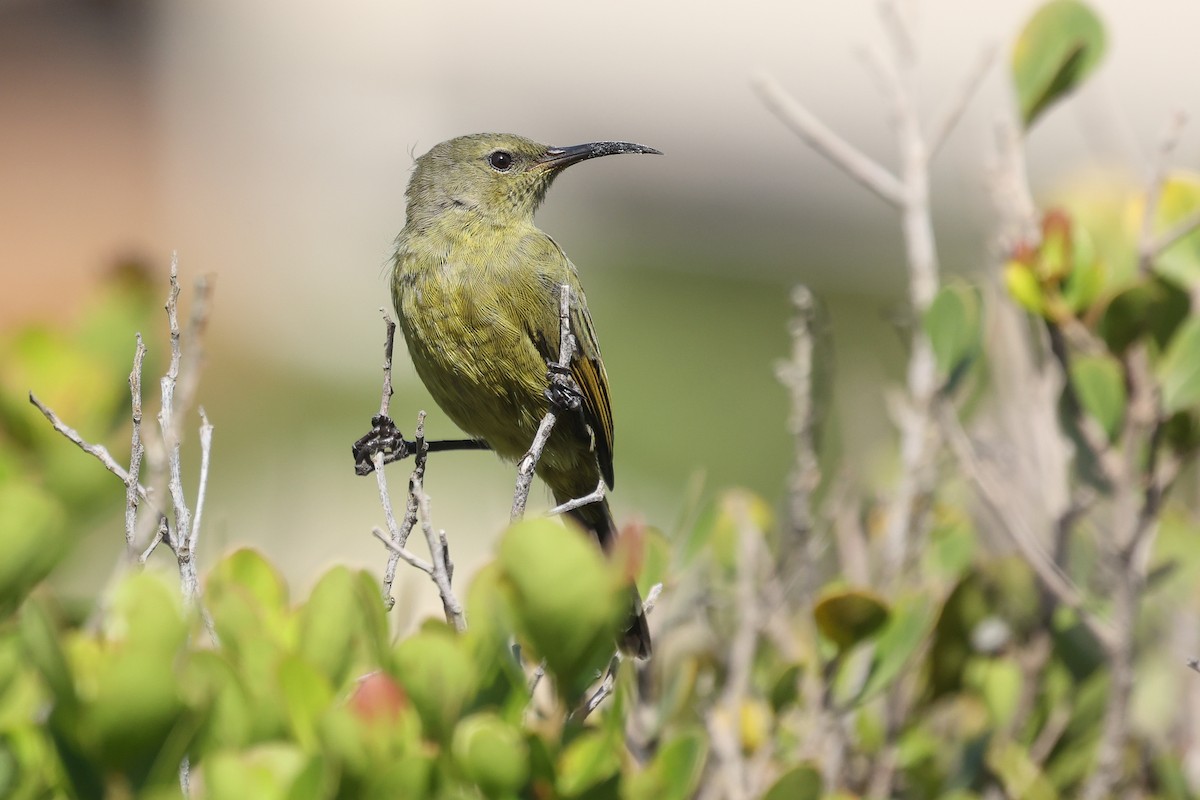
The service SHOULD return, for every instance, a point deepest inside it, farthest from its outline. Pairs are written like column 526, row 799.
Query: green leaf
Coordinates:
column 952, row 324
column 306, row 696
column 785, row 689
column 492, row 754
column 146, row 611
column 211, row 683
column 591, row 758
column 1179, row 370
column 676, row 770
column 41, row 644
column 1017, row 772
column 328, row 623
column 250, row 570
column 847, row 616
column 1058, row 48
column 1155, row 308
column 136, row 704
column 1180, row 199
column 439, row 677
column 998, row 681
column 802, row 782
column 1024, row 287
column 568, row 600
column 1099, row 383
column 910, row 623
column 374, row 619
column 265, row 772
column 33, row 540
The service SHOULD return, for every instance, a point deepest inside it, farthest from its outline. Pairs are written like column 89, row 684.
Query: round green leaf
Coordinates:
column 492, row 754
column 306, row 696
column 136, row 704
column 591, row 758
column 1179, row 370
column 910, row 623
column 802, row 782
column 439, row 677
column 32, row 543
column 1099, row 383
column 847, row 616
column 1057, row 49
column 328, row 624
column 952, row 325
column 568, row 601
column 1024, row 287
column 1180, row 200
column 676, row 770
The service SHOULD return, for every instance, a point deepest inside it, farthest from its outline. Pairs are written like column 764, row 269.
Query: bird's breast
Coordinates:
column 468, row 343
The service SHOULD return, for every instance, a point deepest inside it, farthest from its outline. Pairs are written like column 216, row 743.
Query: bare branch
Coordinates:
column 407, row 556
column 388, row 346
column 155, row 540
column 821, row 138
column 1048, row 571
column 192, row 539
column 528, row 463
column 595, row 496
column 400, row 533
column 1158, row 176
column 735, row 774
column 796, row 375
column 439, row 553
column 606, row 686
column 1189, row 224
column 136, row 450
column 97, row 451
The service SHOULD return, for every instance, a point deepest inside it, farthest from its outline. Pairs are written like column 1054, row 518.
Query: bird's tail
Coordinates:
column 597, row 518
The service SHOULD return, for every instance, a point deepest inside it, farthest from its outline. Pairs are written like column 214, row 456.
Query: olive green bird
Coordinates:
column 476, row 285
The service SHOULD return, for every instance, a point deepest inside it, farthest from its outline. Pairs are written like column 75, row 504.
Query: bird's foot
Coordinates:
column 561, row 390
column 384, row 437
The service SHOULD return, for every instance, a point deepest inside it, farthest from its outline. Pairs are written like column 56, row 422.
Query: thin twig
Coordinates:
column 405, row 555
column 187, row 554
column 796, row 375
column 528, row 463
column 1189, row 224
column 97, row 451
column 399, row 533
column 172, row 439
column 595, row 496
column 388, row 345
column 1044, row 566
column 609, row 682
column 820, row 137
column 1158, row 176
column 155, row 540
column 438, row 551
column 136, row 449
column 734, row 773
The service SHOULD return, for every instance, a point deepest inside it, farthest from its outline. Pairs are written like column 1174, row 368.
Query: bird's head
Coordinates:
column 496, row 174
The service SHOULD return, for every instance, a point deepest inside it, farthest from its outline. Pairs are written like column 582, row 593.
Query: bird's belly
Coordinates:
column 478, row 365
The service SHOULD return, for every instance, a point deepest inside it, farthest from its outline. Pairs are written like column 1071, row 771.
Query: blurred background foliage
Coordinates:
column 961, row 678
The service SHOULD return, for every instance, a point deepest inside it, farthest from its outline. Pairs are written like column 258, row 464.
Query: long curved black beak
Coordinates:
column 561, row 157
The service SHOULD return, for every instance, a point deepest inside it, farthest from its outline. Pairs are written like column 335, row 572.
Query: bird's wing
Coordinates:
column 587, row 368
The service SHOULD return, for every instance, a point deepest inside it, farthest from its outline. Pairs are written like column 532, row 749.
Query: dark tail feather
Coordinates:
column 596, row 517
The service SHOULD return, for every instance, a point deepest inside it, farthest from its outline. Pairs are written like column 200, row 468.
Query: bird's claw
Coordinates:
column 562, row 391
column 384, row 437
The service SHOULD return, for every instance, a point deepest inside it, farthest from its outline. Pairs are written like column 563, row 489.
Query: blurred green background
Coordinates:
column 270, row 144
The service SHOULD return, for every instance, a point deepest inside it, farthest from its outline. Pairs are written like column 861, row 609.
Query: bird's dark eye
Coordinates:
column 501, row 160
